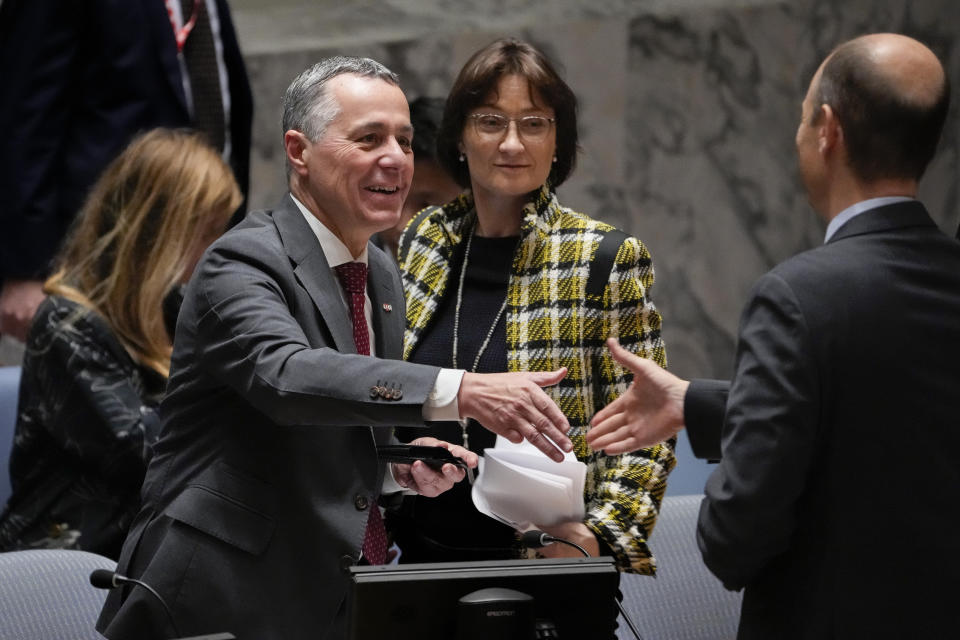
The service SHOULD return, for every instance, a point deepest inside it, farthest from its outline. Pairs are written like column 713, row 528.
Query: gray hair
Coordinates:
column 308, row 108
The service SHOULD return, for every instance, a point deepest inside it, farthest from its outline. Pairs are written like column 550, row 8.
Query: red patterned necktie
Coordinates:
column 353, row 279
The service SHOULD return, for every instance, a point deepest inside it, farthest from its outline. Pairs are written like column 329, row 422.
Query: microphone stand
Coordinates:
column 106, row 579
column 537, row 539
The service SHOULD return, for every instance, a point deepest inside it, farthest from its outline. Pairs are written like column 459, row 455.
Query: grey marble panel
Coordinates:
column 711, row 184
column 688, row 114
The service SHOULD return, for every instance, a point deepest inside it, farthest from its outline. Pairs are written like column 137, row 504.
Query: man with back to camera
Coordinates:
column 262, row 490
column 834, row 502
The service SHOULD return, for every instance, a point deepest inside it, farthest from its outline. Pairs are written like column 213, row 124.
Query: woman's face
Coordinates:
column 517, row 160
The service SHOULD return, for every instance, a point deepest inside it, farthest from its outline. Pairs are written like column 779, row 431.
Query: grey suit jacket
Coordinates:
column 834, row 502
column 256, row 501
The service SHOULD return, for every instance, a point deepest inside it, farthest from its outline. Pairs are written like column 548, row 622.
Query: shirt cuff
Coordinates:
column 441, row 404
column 704, row 406
column 390, row 484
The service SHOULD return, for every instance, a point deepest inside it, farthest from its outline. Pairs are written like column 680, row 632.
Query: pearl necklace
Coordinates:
column 456, row 326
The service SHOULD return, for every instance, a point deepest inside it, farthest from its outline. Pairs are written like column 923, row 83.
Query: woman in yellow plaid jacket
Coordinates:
column 504, row 278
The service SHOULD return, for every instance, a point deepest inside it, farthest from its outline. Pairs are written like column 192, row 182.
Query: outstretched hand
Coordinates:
column 650, row 411
column 426, row 481
column 514, row 406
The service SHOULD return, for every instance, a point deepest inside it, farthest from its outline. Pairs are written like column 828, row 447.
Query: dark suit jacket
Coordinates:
column 835, row 500
column 80, row 78
column 256, row 501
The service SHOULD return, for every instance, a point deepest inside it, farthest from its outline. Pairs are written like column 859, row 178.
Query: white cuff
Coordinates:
column 441, row 404
column 390, row 484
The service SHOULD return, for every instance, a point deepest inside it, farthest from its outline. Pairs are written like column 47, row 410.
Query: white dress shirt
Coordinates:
column 441, row 402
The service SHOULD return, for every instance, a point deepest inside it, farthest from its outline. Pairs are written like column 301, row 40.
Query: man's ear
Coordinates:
column 297, row 147
column 830, row 133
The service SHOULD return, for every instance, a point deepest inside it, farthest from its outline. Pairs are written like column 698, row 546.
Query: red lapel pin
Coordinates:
column 387, row 307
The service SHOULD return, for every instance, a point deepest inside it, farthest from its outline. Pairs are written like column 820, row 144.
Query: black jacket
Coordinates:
column 86, row 419
column 834, row 503
column 80, row 79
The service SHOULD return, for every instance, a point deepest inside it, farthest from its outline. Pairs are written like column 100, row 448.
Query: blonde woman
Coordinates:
column 98, row 351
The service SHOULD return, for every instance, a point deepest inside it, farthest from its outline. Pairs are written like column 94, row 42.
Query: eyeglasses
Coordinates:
column 494, row 124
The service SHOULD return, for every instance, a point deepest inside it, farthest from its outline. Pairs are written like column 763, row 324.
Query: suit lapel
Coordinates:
column 315, row 274
column 386, row 308
column 386, row 312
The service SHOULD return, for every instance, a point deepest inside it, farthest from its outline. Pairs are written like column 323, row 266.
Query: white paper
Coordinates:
column 520, row 486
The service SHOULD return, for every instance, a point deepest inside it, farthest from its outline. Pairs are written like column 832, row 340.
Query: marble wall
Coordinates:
column 688, row 113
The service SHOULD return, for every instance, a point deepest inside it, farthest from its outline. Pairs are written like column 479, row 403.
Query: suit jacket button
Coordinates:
column 346, row 562
column 361, row 502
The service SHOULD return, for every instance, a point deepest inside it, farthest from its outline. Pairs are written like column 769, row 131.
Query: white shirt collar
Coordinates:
column 856, row 209
column 334, row 250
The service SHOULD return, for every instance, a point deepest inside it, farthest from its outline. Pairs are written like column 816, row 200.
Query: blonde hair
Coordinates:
column 155, row 207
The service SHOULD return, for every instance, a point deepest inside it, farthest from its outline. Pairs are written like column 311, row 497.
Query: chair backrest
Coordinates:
column 685, row 601
column 9, row 389
column 46, row 594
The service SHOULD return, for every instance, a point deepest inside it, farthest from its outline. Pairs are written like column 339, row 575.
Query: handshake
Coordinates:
column 512, row 405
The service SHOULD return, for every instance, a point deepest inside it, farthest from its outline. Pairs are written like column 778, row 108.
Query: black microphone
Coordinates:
column 106, row 579
column 535, row 539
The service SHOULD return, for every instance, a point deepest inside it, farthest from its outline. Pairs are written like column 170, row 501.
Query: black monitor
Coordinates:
column 572, row 597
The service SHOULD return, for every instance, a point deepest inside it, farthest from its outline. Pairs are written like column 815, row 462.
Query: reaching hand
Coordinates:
column 19, row 300
column 424, row 480
column 650, row 411
column 514, row 406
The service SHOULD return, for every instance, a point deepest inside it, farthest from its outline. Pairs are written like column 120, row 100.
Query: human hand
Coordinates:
column 573, row 531
column 650, row 411
column 19, row 300
column 514, row 406
column 426, row 481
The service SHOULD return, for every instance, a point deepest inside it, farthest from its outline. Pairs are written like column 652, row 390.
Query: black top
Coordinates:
column 85, row 423
column 449, row 527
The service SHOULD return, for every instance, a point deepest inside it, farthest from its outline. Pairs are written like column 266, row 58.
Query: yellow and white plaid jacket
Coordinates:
column 553, row 323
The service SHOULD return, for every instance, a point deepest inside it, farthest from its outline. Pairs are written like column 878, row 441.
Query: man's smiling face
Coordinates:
column 359, row 172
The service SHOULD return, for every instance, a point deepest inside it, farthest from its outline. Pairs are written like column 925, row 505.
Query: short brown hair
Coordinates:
column 479, row 77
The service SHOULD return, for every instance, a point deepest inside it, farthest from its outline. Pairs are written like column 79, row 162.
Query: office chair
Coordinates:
column 46, row 594
column 9, row 389
column 685, row 601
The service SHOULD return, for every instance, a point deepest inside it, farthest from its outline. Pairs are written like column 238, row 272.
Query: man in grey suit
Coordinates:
column 263, row 489
column 834, row 501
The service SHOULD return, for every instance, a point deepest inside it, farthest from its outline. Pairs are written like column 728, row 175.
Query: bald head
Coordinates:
column 908, row 70
column 891, row 96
